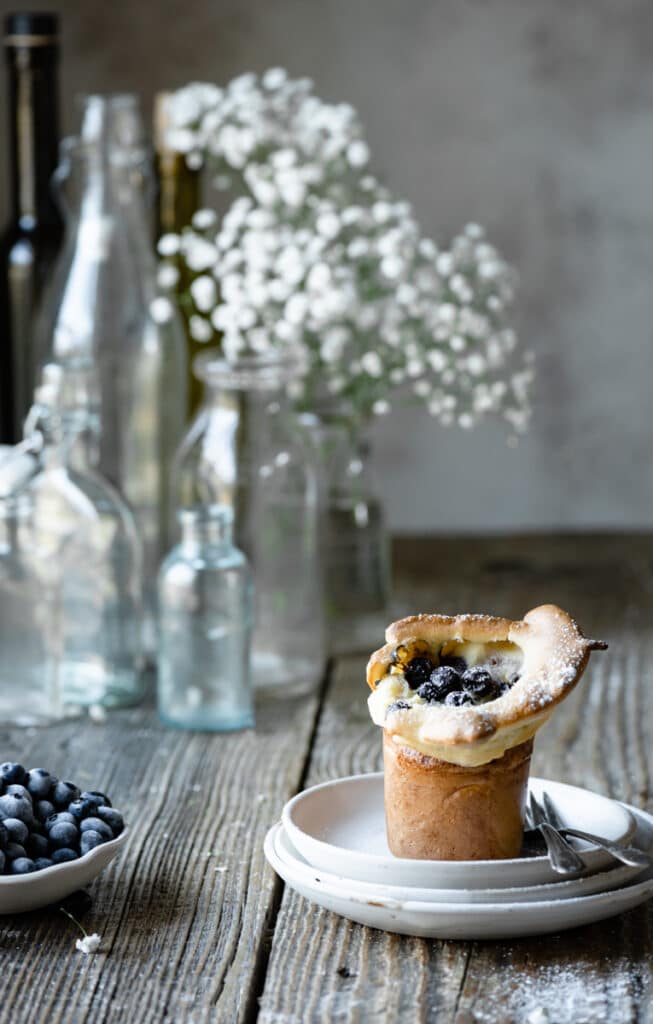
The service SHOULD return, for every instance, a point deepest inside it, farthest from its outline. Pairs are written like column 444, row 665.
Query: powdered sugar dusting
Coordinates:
column 554, row 656
column 559, row 993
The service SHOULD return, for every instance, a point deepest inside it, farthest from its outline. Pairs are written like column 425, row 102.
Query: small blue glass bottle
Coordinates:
column 205, row 621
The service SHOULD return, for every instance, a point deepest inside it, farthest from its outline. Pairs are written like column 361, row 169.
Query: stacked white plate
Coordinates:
column 331, row 847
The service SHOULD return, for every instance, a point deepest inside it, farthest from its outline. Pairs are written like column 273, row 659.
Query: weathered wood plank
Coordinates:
column 598, row 738
column 184, row 912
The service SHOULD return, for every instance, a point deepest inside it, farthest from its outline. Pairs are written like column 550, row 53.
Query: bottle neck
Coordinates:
column 178, row 184
column 34, row 131
column 179, row 193
column 260, row 412
column 203, row 531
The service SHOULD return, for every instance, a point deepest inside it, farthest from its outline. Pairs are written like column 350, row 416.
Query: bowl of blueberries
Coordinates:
column 54, row 837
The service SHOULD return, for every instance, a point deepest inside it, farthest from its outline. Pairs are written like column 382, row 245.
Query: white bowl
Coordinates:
column 299, row 870
column 19, row 893
column 339, row 827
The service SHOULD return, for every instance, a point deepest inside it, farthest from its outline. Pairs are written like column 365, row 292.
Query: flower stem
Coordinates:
column 75, row 921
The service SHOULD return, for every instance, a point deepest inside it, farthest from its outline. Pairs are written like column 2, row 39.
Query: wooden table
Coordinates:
column 195, row 926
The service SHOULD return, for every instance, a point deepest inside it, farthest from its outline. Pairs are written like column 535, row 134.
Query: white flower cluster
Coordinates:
column 274, row 133
column 319, row 256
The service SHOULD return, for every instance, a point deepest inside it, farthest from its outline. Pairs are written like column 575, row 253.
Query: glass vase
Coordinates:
column 245, row 450
column 205, row 623
column 356, row 545
column 105, row 324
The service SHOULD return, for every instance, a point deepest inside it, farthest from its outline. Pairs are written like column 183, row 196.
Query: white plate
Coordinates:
column 19, row 893
column 300, row 870
column 339, row 827
column 449, row 920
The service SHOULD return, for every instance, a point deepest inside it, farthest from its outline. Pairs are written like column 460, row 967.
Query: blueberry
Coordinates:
column 453, row 661
column 63, row 835
column 4, row 835
column 44, row 809
column 96, row 825
column 114, row 818
column 63, row 793
column 13, row 850
column 3, row 862
column 442, row 681
column 57, row 818
column 43, row 862
column 94, row 794
column 37, row 846
column 417, row 671
column 84, row 807
column 399, row 705
column 90, row 840
column 22, row 866
column 13, row 806
column 64, row 854
column 479, row 684
column 12, row 772
column 17, row 830
column 16, row 790
column 457, row 698
column 39, row 783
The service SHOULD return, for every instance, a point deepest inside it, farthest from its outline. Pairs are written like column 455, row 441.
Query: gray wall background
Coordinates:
column 533, row 117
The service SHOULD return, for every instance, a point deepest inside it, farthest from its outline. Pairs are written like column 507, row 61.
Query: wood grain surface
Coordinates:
column 195, row 926
column 324, row 968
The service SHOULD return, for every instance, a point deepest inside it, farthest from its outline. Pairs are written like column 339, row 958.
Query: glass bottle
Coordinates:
column 205, row 624
column 29, row 694
column 178, row 184
column 356, row 546
column 105, row 323
column 178, row 197
column 32, row 237
column 245, row 450
column 70, row 572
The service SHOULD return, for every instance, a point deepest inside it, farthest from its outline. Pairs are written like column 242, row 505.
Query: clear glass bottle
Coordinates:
column 205, row 624
column 70, row 584
column 29, row 691
column 104, row 322
column 356, row 545
column 245, row 450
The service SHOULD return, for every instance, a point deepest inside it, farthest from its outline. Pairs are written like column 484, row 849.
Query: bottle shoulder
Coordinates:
column 226, row 559
column 61, row 491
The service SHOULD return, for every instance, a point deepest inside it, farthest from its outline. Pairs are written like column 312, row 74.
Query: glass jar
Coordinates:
column 70, row 586
column 29, row 685
column 104, row 322
column 205, row 624
column 356, row 546
column 245, row 450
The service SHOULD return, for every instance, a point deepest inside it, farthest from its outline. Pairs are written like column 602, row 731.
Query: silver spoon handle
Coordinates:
column 625, row 854
column 562, row 856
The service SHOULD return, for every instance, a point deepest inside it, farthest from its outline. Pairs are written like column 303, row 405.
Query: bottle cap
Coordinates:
column 31, row 28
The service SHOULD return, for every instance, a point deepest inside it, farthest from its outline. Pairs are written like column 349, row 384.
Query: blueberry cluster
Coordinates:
column 452, row 682
column 44, row 821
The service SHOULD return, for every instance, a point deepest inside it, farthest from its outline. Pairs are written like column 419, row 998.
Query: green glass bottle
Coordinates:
column 32, row 237
column 179, row 196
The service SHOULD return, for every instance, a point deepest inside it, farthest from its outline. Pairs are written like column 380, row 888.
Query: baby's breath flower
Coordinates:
column 317, row 254
column 89, row 944
column 167, row 276
column 168, row 245
column 200, row 329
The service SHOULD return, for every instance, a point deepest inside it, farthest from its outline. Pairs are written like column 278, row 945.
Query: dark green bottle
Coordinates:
column 31, row 239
